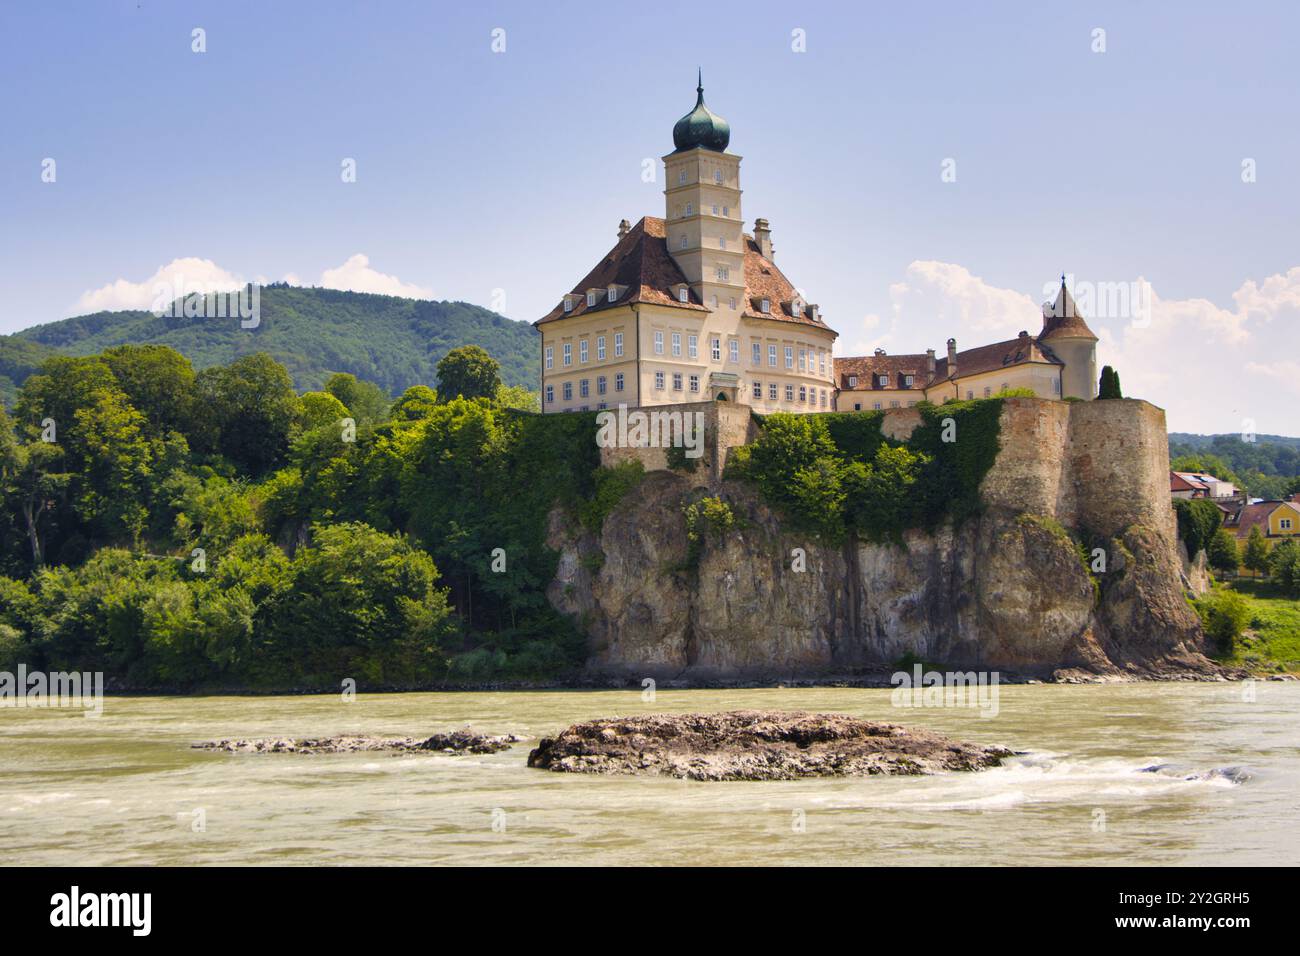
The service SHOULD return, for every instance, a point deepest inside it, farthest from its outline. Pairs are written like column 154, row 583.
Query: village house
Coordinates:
column 1276, row 520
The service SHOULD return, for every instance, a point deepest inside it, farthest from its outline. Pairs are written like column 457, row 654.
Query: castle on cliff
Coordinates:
column 691, row 308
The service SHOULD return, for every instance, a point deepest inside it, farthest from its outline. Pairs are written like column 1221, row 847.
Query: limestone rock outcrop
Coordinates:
column 1071, row 569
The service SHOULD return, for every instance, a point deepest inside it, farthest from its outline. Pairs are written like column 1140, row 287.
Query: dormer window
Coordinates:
column 884, row 380
column 683, row 294
column 591, row 299
column 765, row 305
column 907, row 380
column 797, row 306
column 853, row 381
column 613, row 293
column 568, row 304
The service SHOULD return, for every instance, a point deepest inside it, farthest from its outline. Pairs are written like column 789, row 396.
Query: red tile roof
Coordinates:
column 985, row 358
column 641, row 262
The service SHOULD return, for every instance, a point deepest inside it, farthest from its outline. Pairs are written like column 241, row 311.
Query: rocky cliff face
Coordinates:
column 1006, row 591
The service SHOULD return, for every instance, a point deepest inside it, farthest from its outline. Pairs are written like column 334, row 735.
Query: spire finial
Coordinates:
column 1062, row 280
column 699, row 88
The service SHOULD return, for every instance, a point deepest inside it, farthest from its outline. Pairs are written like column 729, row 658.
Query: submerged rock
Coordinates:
column 756, row 745
column 458, row 741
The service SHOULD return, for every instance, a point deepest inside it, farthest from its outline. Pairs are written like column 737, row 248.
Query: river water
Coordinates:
column 125, row 788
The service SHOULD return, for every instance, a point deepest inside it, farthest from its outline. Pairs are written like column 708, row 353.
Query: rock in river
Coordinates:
column 756, row 745
column 458, row 741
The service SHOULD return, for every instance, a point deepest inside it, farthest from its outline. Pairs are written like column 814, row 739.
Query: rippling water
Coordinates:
column 123, row 789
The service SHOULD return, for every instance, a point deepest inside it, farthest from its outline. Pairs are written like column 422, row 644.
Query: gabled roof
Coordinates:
column 868, row 368
column 1257, row 514
column 999, row 355
column 640, row 265
column 976, row 361
column 1061, row 319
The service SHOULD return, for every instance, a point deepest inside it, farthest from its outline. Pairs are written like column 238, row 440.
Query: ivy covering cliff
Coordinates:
column 839, row 475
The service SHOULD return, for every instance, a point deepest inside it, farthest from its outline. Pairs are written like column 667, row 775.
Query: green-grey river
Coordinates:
column 125, row 788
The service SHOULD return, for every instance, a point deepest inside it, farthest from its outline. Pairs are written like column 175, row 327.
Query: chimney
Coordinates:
column 763, row 236
column 929, row 361
column 623, row 228
column 952, row 358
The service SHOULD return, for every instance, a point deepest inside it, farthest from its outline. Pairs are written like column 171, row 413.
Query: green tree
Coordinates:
column 159, row 382
column 1222, row 553
column 1109, row 386
column 416, row 402
column 253, row 410
column 1224, row 614
column 1284, row 566
column 320, row 409
column 365, row 401
column 468, row 372
column 516, row 396
column 1255, row 554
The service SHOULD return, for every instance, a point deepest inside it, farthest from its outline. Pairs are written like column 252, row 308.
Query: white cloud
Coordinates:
column 181, row 277
column 1211, row 368
column 355, row 275
column 187, row 275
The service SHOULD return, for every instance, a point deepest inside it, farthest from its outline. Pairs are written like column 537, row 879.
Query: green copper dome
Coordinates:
column 701, row 127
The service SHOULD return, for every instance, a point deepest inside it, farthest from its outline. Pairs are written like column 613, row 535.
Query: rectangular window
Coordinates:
column 568, row 391
column 803, row 360
column 821, row 361
column 659, row 380
column 601, row 385
column 876, row 406
column 693, row 346
column 550, row 394
column 723, row 273
column 1056, row 386
column 677, row 345
column 893, row 404
column 716, row 349
column 771, row 356
column 677, row 381
column 803, row 394
column 582, row 351
column 732, row 300
column 659, row 343
column 771, row 391
column 618, row 382
column 857, row 406
column 618, row 344
column 789, row 393
column 823, row 398
column 591, row 299
column 853, row 381
column 613, row 293
column 1284, row 523
column 789, row 356
column 600, row 348
column 758, row 389
column 756, row 353
column 550, row 356
column 695, row 383
column 584, row 388
column 568, row 353
column 733, row 351
column 884, row 380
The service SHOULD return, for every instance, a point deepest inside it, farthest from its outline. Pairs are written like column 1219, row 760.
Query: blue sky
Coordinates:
column 480, row 171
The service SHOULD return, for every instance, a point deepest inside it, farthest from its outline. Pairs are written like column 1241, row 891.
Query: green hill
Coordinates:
column 387, row 340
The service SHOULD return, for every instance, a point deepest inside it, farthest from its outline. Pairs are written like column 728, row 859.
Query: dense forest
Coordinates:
column 1268, row 467
column 393, row 342
column 215, row 528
